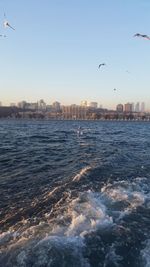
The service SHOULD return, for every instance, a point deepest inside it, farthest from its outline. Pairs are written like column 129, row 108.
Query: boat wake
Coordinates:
column 88, row 228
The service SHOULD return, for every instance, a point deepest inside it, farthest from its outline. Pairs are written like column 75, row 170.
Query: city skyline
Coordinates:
column 128, row 106
column 57, row 47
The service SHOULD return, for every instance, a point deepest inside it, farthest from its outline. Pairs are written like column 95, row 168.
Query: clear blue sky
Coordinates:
column 57, row 46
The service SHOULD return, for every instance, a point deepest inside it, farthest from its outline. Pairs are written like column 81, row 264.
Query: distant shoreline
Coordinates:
column 75, row 120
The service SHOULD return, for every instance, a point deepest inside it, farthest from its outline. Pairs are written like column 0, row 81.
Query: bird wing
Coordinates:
column 6, row 24
column 146, row 37
column 102, row 64
column 10, row 26
column 142, row 35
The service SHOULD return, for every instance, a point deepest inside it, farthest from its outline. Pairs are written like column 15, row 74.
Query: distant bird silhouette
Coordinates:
column 142, row 36
column 115, row 89
column 102, row 64
column 6, row 23
column 3, row 35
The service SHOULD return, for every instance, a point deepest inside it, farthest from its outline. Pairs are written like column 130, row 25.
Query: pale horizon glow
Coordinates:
column 57, row 46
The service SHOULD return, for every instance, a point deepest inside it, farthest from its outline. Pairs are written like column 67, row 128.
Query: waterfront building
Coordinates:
column 56, row 106
column 25, row 105
column 128, row 107
column 83, row 103
column 119, row 108
column 22, row 104
column 142, row 107
column 49, row 107
column 33, row 106
column 12, row 105
column 74, row 112
column 132, row 107
column 137, row 107
column 93, row 105
column 41, row 105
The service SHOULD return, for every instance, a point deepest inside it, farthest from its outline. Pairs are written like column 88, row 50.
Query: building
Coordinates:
column 12, row 105
column 137, row 107
column 0, row 104
column 74, row 112
column 142, row 107
column 93, row 105
column 25, row 105
column 41, row 105
column 119, row 108
column 33, row 106
column 83, row 103
column 128, row 107
column 56, row 106
column 22, row 104
column 132, row 107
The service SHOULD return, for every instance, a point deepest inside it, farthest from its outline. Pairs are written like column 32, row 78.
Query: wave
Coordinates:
column 82, row 173
column 83, row 223
column 145, row 253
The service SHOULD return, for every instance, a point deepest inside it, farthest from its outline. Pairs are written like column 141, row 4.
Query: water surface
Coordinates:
column 74, row 199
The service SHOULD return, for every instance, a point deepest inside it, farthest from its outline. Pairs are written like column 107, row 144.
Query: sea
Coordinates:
column 74, row 193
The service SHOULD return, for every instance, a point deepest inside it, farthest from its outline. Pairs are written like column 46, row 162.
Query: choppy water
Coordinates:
column 74, row 200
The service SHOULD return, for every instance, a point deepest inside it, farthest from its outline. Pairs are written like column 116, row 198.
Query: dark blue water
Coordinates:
column 74, row 199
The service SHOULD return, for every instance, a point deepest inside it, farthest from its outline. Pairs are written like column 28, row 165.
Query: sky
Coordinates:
column 57, row 45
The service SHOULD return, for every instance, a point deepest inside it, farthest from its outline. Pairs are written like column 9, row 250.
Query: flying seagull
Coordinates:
column 102, row 64
column 142, row 36
column 3, row 35
column 115, row 89
column 6, row 23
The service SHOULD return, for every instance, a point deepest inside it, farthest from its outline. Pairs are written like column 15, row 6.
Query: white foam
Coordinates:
column 126, row 193
column 116, row 194
column 45, row 251
column 87, row 213
column 76, row 218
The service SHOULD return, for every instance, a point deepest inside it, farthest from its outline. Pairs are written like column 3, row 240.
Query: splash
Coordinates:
column 87, row 214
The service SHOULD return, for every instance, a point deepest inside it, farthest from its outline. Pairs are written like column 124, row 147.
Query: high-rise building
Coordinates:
column 128, row 107
column 0, row 104
column 137, row 107
column 119, row 108
column 132, row 107
column 142, row 107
